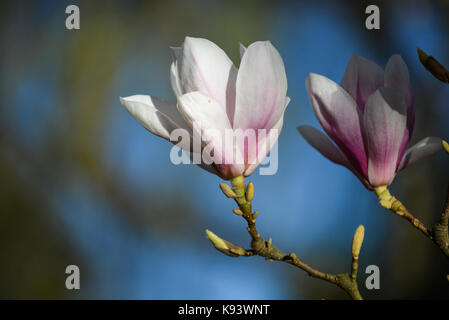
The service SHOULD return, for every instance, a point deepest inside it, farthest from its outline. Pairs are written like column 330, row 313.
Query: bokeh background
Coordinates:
column 83, row 183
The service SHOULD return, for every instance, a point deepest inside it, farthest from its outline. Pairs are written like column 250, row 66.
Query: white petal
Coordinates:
column 174, row 72
column 204, row 113
column 242, row 50
column 176, row 53
column 197, row 106
column 156, row 115
column 261, row 88
column 206, row 68
column 287, row 102
column 423, row 148
column 257, row 153
column 174, row 79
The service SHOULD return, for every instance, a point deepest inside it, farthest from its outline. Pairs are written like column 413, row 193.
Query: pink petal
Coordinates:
column 206, row 68
column 261, row 88
column 157, row 116
column 361, row 79
column 397, row 77
column 321, row 142
column 339, row 116
column 265, row 144
column 324, row 145
column 384, row 123
column 423, row 148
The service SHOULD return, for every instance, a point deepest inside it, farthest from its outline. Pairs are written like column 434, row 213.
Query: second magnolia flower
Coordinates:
column 213, row 94
column 369, row 117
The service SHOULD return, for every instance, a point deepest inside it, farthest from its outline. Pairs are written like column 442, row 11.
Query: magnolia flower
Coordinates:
column 213, row 94
column 369, row 117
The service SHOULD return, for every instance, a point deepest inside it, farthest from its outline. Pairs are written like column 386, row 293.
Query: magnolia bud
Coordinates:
column 357, row 241
column 227, row 190
column 446, row 146
column 250, row 191
column 433, row 66
column 225, row 246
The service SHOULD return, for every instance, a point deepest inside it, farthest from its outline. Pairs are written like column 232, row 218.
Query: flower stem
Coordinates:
column 439, row 233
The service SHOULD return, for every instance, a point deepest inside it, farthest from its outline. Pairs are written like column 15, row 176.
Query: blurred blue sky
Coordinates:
column 306, row 207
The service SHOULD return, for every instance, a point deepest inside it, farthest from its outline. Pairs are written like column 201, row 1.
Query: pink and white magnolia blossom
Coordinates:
column 369, row 117
column 213, row 94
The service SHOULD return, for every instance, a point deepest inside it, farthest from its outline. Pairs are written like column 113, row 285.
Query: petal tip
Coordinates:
column 123, row 101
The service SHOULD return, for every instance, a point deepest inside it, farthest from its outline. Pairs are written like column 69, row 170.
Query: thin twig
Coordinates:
column 438, row 234
column 440, row 230
column 266, row 249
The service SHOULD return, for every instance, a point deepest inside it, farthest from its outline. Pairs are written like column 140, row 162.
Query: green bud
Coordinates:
column 446, row 146
column 218, row 242
column 227, row 190
column 250, row 191
column 357, row 241
column 224, row 246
